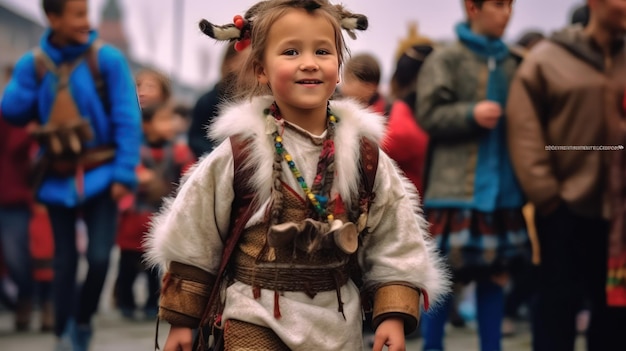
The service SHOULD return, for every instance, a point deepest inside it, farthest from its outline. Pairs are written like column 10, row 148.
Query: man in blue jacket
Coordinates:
column 88, row 184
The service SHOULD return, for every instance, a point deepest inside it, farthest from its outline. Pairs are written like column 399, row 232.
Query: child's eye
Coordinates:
column 322, row 52
column 290, row 52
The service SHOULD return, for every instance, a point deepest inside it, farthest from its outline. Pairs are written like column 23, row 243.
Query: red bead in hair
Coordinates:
column 242, row 44
column 239, row 21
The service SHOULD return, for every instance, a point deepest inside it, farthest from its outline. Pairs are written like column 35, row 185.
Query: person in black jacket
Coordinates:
column 207, row 106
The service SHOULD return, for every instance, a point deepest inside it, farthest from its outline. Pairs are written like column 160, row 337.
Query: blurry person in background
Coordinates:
column 16, row 199
column 153, row 87
column 405, row 141
column 361, row 80
column 159, row 127
column 26, row 242
column 566, row 99
column 163, row 160
column 208, row 105
column 472, row 199
column 90, row 136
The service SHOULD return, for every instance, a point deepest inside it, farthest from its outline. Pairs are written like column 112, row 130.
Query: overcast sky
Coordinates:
column 194, row 58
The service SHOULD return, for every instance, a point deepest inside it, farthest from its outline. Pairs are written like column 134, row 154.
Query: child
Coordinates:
column 90, row 136
column 153, row 91
column 286, row 285
column 162, row 163
column 473, row 200
column 153, row 87
column 361, row 79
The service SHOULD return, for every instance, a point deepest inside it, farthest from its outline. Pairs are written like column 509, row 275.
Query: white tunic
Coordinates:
column 192, row 227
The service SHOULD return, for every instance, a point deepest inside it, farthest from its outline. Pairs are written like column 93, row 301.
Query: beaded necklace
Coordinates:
column 325, row 167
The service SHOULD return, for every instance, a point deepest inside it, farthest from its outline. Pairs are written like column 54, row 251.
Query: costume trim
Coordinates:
column 398, row 300
column 184, row 295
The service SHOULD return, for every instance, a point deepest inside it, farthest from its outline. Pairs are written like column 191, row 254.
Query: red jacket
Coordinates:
column 406, row 143
column 16, row 150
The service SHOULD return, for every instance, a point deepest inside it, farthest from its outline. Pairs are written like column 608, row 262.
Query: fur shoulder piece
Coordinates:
column 247, row 120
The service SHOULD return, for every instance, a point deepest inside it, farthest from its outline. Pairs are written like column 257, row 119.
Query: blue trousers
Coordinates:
column 100, row 216
column 14, row 241
column 489, row 313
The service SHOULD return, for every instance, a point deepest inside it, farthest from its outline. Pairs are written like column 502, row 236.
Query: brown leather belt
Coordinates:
column 90, row 159
column 283, row 277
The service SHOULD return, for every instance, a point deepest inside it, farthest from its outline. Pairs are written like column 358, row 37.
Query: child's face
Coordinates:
column 163, row 125
column 492, row 18
column 301, row 63
column 356, row 89
column 72, row 25
column 149, row 90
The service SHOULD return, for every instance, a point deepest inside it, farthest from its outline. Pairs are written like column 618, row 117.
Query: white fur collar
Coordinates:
column 248, row 120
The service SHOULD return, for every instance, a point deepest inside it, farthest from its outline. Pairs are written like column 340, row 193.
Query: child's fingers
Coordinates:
column 379, row 342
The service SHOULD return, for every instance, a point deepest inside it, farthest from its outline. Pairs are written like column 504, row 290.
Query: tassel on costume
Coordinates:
column 276, row 306
column 256, row 292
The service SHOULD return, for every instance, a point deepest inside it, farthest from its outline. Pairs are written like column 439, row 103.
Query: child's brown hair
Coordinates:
column 365, row 68
column 162, row 79
column 263, row 15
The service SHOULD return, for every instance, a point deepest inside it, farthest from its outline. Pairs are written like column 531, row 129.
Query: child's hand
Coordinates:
column 179, row 339
column 487, row 114
column 391, row 333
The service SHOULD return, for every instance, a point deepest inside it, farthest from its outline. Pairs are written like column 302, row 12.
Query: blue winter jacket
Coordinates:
column 26, row 97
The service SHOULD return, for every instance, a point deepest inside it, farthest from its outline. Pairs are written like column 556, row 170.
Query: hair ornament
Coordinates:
column 241, row 28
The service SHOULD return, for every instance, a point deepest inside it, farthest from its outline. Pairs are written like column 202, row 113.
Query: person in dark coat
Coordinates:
column 207, row 106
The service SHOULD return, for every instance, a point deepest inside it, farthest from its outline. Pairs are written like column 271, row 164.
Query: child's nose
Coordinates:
column 309, row 65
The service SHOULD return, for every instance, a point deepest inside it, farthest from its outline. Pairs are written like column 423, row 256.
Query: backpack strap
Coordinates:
column 94, row 67
column 368, row 167
column 44, row 64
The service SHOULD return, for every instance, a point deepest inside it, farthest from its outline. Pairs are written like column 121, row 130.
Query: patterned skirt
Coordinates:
column 477, row 244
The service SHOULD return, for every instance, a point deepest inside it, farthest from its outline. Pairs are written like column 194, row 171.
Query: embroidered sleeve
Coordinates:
column 397, row 300
column 184, row 295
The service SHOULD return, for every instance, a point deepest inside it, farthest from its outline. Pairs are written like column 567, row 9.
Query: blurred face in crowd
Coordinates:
column 71, row 25
column 489, row 18
column 163, row 125
column 610, row 14
column 149, row 90
column 356, row 89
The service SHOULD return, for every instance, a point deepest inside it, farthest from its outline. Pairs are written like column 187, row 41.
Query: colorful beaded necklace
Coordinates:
column 315, row 194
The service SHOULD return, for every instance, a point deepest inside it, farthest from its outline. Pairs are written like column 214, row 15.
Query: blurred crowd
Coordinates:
column 529, row 233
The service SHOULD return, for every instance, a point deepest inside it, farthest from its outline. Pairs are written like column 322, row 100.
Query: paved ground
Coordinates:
column 116, row 334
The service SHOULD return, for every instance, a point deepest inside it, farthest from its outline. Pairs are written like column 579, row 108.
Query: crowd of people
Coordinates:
column 266, row 217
